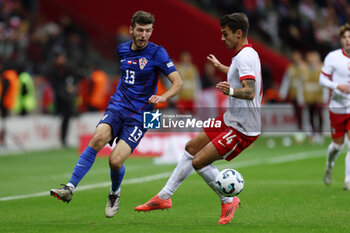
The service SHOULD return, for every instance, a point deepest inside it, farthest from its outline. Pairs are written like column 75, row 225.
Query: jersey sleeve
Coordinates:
column 118, row 50
column 246, row 68
column 164, row 62
column 327, row 69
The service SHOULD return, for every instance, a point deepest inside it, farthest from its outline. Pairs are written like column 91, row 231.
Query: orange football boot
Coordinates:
column 227, row 211
column 155, row 204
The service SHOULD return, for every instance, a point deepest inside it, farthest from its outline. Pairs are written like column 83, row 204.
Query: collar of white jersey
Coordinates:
column 246, row 45
column 345, row 53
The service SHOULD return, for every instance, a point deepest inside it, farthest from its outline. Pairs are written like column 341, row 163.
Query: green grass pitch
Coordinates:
column 283, row 192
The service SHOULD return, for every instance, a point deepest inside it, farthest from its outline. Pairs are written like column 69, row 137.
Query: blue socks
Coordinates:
column 117, row 178
column 85, row 161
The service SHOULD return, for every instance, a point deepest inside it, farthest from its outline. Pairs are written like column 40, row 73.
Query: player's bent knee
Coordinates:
column 115, row 164
column 190, row 147
column 99, row 140
column 197, row 164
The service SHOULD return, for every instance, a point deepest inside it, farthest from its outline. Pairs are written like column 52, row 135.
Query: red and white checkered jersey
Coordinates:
column 244, row 115
column 336, row 67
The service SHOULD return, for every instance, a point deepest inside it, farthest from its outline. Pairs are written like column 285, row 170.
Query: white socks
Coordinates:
column 332, row 154
column 114, row 193
column 209, row 174
column 181, row 172
column 71, row 186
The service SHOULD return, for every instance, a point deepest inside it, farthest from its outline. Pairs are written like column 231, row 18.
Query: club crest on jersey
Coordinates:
column 143, row 62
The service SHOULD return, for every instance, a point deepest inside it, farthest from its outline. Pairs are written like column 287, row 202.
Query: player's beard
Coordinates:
column 139, row 44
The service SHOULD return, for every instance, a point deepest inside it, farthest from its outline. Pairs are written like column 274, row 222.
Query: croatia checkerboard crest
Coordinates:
column 143, row 62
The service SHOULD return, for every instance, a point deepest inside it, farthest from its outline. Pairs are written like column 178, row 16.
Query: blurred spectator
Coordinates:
column 271, row 95
column 53, row 37
column 291, row 87
column 76, row 53
column 123, row 34
column 13, row 40
column 98, row 90
column 26, row 101
column 268, row 22
column 313, row 95
column 161, row 89
column 270, row 89
column 9, row 90
column 291, row 29
column 63, row 82
column 191, row 84
column 326, row 31
column 308, row 10
column 47, row 97
column 209, row 78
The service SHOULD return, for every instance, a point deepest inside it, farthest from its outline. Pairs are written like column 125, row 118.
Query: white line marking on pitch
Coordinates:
column 254, row 162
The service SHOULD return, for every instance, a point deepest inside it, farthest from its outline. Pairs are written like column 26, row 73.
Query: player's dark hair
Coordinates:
column 142, row 18
column 343, row 29
column 236, row 21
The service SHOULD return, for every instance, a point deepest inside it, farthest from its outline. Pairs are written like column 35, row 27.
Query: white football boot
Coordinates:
column 112, row 204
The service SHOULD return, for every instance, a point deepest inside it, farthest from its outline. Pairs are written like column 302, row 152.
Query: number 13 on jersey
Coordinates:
column 130, row 77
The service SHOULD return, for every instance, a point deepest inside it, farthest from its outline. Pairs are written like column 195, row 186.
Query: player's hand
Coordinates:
column 224, row 87
column 213, row 60
column 345, row 88
column 155, row 99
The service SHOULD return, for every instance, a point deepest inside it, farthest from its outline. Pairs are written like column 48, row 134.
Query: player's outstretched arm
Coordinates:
column 176, row 87
column 247, row 91
column 216, row 63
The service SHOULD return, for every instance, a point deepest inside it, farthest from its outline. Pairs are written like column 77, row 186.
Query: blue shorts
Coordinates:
column 124, row 127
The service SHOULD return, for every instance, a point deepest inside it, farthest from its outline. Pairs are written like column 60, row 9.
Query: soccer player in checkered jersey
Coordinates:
column 335, row 75
column 240, row 124
column 141, row 62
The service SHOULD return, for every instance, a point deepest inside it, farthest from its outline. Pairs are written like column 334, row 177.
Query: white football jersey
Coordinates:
column 337, row 68
column 244, row 115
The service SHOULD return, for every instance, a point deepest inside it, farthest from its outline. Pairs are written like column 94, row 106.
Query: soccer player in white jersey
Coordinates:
column 335, row 75
column 240, row 124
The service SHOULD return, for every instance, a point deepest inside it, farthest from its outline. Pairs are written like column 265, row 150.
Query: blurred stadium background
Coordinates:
column 40, row 37
column 68, row 46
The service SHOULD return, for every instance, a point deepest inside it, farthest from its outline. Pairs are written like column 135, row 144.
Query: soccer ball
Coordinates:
column 229, row 182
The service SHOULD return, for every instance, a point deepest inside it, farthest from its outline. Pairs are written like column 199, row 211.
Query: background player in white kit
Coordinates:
column 240, row 124
column 336, row 76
